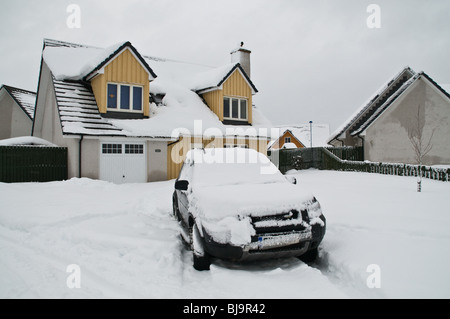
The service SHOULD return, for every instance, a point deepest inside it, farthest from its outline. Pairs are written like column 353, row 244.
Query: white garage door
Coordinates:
column 123, row 163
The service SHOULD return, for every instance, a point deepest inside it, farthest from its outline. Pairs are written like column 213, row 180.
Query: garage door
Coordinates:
column 123, row 163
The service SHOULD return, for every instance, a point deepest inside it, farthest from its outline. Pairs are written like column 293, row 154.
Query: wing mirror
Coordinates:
column 181, row 185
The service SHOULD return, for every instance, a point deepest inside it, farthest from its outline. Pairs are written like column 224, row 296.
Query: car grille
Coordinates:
column 292, row 221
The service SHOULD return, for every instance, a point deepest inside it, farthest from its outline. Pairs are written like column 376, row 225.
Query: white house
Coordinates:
column 16, row 112
column 411, row 105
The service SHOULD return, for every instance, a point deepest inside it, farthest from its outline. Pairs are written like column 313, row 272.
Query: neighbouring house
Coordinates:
column 128, row 117
column 410, row 106
column 299, row 136
column 16, row 112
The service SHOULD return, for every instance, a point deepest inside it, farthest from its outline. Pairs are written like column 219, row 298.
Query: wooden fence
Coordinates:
column 32, row 164
column 349, row 159
column 333, row 162
column 305, row 158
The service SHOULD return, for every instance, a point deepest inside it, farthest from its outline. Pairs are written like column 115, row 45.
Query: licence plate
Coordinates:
column 275, row 241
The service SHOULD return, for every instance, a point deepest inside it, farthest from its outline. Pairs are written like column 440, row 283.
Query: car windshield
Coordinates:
column 213, row 167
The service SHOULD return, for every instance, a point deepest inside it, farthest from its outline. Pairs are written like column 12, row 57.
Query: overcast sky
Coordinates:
column 311, row 60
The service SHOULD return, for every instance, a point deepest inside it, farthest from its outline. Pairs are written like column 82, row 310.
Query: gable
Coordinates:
column 123, row 69
column 423, row 92
column 293, row 139
column 237, row 85
column 234, row 85
column 382, row 99
column 130, row 61
column 278, row 144
column 100, row 62
column 214, row 79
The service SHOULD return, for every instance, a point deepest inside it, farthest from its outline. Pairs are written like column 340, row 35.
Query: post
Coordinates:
column 310, row 133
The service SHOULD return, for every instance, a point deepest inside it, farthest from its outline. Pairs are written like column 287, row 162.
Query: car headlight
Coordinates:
column 230, row 230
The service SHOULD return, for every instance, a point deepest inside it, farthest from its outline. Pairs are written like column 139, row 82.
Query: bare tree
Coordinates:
column 421, row 145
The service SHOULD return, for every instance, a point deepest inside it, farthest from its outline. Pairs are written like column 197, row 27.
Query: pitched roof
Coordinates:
column 214, row 78
column 116, row 51
column 288, row 145
column 180, row 109
column 78, row 110
column 302, row 132
column 25, row 99
column 377, row 103
column 384, row 98
column 71, row 61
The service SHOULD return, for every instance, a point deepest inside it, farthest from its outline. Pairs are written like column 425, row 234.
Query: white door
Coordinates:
column 123, row 163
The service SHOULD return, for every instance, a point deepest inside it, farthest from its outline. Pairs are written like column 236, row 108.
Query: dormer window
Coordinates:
column 235, row 109
column 124, row 97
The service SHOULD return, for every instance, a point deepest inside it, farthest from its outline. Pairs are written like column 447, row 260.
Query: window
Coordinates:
column 226, row 107
column 134, row 148
column 287, row 139
column 137, row 98
column 243, row 109
column 112, row 96
column 125, row 97
column 235, row 109
column 112, row 148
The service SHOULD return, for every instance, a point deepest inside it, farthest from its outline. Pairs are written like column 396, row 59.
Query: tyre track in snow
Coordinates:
column 345, row 277
column 46, row 274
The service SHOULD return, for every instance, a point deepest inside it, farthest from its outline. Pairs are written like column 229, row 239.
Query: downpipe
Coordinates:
column 79, row 155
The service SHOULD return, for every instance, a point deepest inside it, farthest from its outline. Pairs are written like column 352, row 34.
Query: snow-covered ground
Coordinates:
column 126, row 243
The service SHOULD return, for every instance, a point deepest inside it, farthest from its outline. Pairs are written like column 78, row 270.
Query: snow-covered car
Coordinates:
column 234, row 204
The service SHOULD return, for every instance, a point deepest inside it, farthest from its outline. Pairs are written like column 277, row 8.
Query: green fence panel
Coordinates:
column 351, row 159
column 32, row 164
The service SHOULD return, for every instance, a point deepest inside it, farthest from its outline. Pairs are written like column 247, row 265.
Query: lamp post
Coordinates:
column 310, row 133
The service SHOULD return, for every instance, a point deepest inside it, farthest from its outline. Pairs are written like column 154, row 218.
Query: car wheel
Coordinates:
column 310, row 256
column 176, row 213
column 201, row 258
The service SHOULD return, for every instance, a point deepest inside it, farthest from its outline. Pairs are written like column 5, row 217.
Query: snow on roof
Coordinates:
column 26, row 140
column 370, row 102
column 79, row 112
column 214, row 78
column 25, row 99
column 72, row 62
column 180, row 113
column 174, row 70
column 289, row 146
column 388, row 102
column 320, row 133
column 183, row 112
column 211, row 78
column 384, row 97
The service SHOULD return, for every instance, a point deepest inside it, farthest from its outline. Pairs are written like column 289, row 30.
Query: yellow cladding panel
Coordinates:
column 214, row 100
column 125, row 68
column 99, row 88
column 293, row 140
column 235, row 86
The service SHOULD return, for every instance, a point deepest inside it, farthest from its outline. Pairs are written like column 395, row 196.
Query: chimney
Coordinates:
column 242, row 56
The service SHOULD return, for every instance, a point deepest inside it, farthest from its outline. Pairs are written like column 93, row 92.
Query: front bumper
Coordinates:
column 268, row 245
